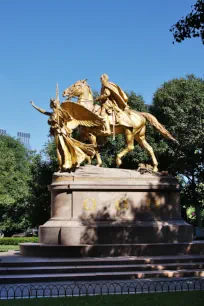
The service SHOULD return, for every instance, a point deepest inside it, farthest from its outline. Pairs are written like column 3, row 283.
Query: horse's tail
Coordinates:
column 153, row 121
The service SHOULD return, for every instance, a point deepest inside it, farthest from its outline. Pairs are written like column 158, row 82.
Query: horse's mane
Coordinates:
column 86, row 84
column 90, row 91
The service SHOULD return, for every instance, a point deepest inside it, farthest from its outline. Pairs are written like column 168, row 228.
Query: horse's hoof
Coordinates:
column 155, row 169
column 88, row 160
column 98, row 165
column 65, row 168
column 118, row 161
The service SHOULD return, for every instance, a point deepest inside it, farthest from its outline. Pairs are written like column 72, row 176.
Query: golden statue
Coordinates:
column 113, row 100
column 70, row 152
column 113, row 117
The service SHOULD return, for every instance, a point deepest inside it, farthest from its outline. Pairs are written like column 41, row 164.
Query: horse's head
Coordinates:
column 75, row 90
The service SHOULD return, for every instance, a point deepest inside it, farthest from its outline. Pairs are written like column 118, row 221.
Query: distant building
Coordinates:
column 24, row 139
column 3, row 132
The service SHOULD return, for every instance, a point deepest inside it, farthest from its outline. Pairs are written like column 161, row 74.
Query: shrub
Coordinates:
column 17, row 240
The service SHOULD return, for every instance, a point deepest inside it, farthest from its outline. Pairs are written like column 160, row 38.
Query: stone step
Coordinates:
column 21, row 261
column 30, row 278
column 114, row 250
column 100, row 268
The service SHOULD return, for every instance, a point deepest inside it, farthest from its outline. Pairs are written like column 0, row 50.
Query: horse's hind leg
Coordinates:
column 88, row 159
column 92, row 139
column 130, row 146
column 144, row 144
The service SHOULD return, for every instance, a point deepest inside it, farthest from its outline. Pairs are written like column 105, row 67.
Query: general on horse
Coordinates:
column 112, row 117
column 113, row 100
column 114, row 107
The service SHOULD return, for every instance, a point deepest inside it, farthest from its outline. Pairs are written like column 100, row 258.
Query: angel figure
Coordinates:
column 70, row 152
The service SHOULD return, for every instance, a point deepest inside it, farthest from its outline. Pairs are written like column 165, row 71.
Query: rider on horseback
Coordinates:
column 113, row 115
column 114, row 101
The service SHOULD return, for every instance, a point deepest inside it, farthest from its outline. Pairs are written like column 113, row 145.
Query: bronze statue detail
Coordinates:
column 127, row 121
column 113, row 100
column 112, row 117
column 70, row 152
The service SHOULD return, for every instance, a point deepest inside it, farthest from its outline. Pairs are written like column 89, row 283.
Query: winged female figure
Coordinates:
column 70, row 152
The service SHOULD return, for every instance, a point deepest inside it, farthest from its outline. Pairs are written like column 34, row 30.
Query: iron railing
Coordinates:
column 99, row 288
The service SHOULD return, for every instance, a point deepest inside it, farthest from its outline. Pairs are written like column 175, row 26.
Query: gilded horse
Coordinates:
column 85, row 113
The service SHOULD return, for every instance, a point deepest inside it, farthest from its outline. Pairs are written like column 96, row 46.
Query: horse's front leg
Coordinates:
column 130, row 146
column 93, row 141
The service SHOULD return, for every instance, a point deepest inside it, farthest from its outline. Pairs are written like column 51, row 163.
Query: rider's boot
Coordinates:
column 107, row 129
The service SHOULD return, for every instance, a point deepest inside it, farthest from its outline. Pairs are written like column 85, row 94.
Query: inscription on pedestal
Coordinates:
column 130, row 205
column 122, row 204
column 89, row 204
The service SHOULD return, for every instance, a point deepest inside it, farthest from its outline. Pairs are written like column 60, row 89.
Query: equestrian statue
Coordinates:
column 110, row 116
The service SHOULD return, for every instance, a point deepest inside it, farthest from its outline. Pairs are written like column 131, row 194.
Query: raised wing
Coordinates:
column 82, row 115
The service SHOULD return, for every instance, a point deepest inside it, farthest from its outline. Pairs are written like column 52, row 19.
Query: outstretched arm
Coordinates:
column 40, row 109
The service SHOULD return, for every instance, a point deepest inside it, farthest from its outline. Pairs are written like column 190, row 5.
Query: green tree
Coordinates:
column 42, row 167
column 191, row 25
column 179, row 105
column 14, row 185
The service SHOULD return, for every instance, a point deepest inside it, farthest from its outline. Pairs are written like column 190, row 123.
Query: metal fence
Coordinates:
column 99, row 288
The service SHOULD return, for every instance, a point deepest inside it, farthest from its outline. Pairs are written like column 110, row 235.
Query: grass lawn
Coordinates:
column 195, row 298
column 5, row 248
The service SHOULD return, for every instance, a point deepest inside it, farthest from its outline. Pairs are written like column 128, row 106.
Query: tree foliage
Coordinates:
column 24, row 180
column 14, row 185
column 179, row 105
column 42, row 167
column 191, row 25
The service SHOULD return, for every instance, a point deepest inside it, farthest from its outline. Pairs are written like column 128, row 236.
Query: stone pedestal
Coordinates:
column 112, row 208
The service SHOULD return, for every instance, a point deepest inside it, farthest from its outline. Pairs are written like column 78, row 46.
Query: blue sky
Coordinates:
column 47, row 41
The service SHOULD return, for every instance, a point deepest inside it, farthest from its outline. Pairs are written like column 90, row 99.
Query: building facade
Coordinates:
column 3, row 132
column 24, row 139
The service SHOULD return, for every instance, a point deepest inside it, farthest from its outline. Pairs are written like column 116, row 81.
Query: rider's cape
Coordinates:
column 118, row 94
